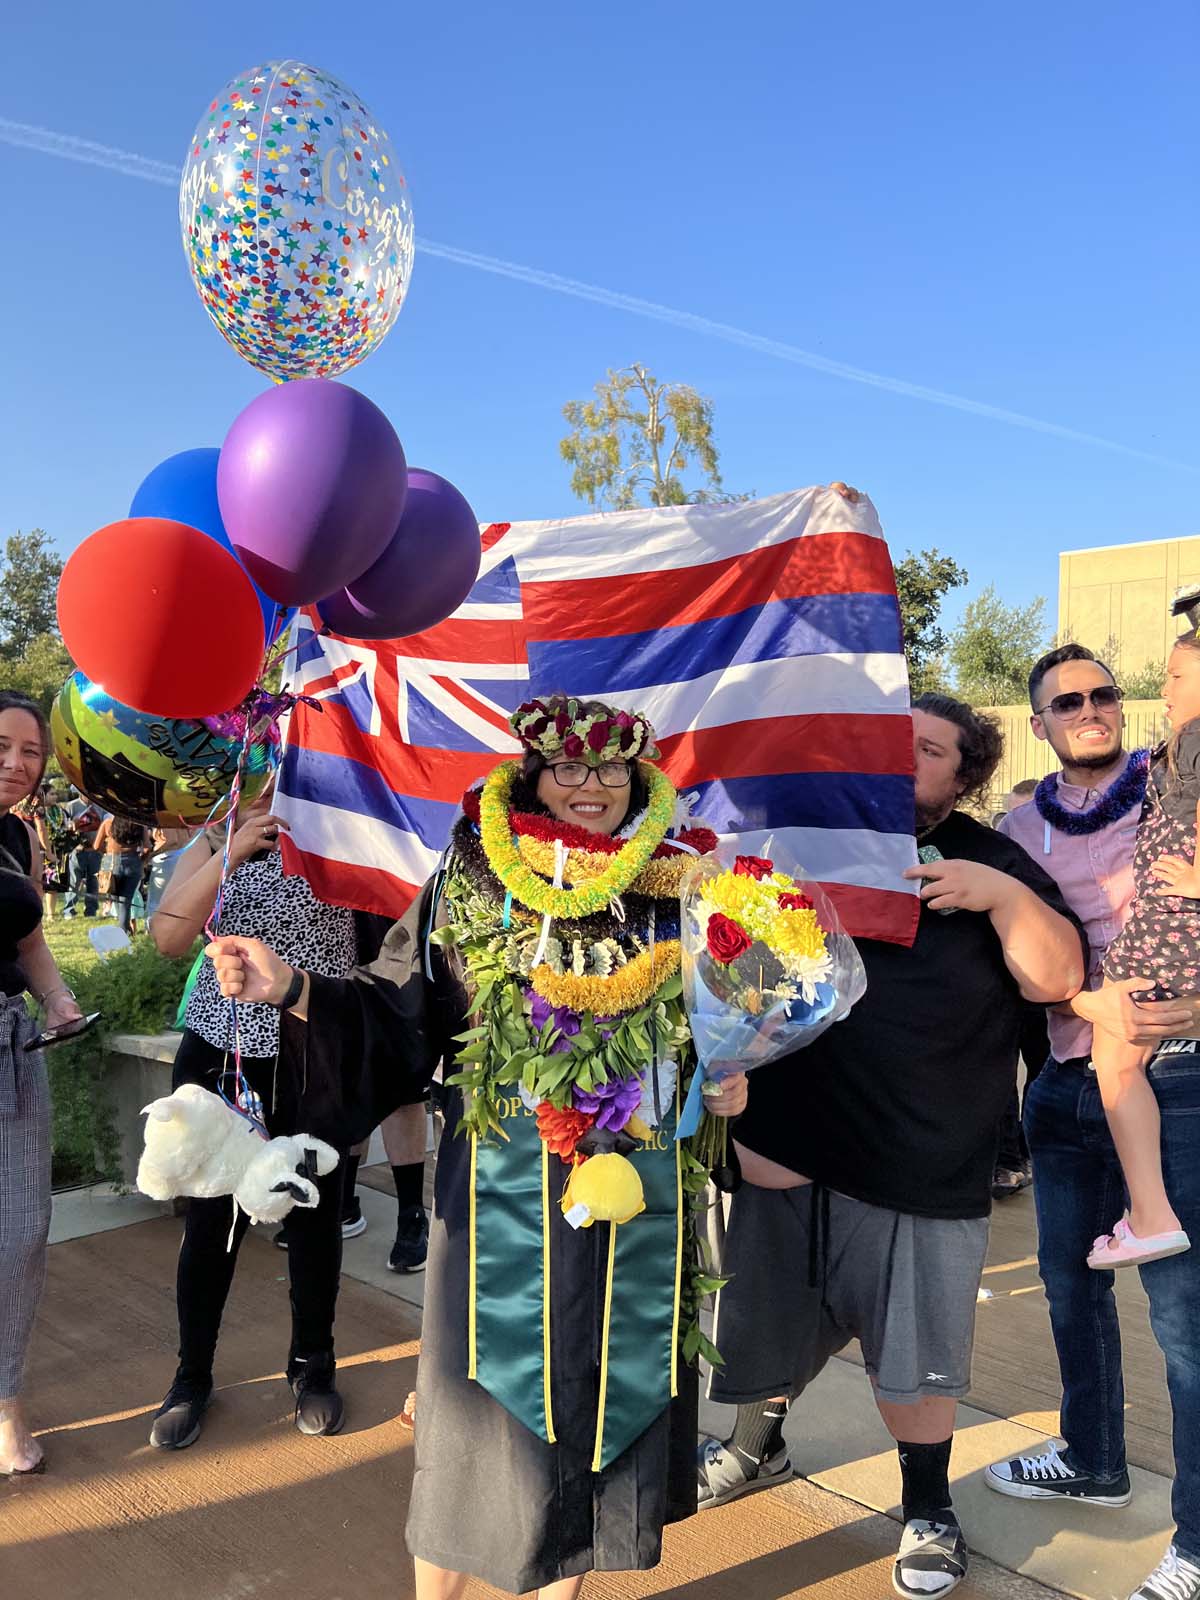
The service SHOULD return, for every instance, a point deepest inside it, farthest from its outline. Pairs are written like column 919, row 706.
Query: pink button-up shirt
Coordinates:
column 1095, row 873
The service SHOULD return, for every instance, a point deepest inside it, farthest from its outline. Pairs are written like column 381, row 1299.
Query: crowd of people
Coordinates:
column 555, row 1411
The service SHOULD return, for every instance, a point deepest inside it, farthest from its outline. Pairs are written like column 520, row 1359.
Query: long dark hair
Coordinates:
column 10, row 700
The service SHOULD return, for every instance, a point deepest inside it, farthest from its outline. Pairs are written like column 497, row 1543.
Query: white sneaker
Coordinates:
column 1174, row 1578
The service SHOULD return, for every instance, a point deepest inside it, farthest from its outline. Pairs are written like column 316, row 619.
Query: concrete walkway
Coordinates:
column 254, row 1510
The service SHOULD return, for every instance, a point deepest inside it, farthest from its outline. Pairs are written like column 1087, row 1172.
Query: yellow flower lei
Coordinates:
column 660, row 879
column 532, row 891
column 630, row 987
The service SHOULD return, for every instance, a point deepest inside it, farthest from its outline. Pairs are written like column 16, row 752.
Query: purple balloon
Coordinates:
column 426, row 572
column 311, row 484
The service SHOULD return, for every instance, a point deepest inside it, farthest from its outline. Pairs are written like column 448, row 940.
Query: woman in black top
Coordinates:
column 25, row 963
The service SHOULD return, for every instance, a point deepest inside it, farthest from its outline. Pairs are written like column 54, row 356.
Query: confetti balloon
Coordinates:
column 159, row 771
column 296, row 221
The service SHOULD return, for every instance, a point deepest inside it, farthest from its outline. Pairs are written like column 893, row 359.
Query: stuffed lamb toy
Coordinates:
column 199, row 1146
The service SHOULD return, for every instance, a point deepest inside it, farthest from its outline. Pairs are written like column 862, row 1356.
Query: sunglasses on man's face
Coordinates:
column 1068, row 706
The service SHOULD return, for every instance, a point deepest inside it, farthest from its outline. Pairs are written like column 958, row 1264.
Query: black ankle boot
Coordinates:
column 319, row 1407
column 178, row 1421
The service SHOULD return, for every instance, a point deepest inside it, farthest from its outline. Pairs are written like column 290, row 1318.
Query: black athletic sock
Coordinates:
column 349, row 1181
column 410, row 1185
column 926, row 1472
column 758, row 1432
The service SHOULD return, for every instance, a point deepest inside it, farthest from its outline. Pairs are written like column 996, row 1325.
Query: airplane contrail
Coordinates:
column 70, row 148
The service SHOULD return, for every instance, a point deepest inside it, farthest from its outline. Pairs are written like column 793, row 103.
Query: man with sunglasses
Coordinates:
column 1082, row 828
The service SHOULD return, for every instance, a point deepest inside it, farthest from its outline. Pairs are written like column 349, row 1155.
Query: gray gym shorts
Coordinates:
column 906, row 1287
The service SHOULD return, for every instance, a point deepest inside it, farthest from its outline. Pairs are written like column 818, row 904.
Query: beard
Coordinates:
column 929, row 816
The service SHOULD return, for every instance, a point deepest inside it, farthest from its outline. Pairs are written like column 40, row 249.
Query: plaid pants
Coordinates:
column 24, row 1188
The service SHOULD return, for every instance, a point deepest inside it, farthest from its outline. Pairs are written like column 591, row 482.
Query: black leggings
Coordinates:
column 206, row 1265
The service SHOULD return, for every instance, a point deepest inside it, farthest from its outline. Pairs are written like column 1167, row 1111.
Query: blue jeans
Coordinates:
column 1079, row 1193
column 82, row 870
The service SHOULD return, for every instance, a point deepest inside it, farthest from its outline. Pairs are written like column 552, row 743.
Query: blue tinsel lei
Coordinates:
column 1128, row 791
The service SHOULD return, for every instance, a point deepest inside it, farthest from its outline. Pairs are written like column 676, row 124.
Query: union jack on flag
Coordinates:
column 763, row 641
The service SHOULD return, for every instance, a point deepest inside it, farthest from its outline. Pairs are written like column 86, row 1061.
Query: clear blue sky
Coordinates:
column 997, row 202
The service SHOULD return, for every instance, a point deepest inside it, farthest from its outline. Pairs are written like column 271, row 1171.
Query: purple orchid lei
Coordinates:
column 613, row 1103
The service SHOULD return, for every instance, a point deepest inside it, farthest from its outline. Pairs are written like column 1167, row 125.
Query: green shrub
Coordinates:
column 136, row 991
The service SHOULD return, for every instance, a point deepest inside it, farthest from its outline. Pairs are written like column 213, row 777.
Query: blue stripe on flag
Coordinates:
column 811, row 625
column 343, row 784
column 807, row 800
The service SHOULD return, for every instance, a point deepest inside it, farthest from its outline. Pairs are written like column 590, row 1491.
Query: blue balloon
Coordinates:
column 184, row 488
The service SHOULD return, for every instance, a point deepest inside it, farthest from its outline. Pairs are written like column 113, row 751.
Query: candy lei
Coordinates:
column 531, row 890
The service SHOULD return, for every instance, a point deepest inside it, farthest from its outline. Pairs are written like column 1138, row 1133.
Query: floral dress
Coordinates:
column 1161, row 939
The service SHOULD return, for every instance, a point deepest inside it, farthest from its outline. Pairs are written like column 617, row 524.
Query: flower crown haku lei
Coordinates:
column 563, row 727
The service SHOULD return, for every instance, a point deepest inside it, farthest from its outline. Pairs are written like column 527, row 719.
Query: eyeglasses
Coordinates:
column 1066, row 707
column 574, row 774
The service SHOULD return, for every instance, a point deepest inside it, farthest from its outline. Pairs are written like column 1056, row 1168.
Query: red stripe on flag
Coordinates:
column 875, row 913
column 493, row 531
column 405, row 768
column 841, row 564
column 814, row 743
column 495, row 719
column 359, row 888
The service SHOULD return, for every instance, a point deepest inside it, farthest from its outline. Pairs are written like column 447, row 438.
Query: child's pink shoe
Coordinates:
column 1123, row 1248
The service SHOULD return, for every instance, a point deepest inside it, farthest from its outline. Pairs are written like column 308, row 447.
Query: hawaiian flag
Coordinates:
column 762, row 639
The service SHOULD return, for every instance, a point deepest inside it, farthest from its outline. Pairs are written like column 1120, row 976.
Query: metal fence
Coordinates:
column 1026, row 756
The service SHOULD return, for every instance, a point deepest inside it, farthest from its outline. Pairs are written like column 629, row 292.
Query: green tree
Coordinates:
column 1144, row 682
column 634, row 442
column 28, row 586
column 922, row 582
column 994, row 647
column 39, row 670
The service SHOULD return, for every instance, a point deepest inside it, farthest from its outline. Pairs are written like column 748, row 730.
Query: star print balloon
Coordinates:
column 296, row 221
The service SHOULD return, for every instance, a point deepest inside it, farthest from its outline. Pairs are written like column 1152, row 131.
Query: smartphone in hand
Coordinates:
column 68, row 1030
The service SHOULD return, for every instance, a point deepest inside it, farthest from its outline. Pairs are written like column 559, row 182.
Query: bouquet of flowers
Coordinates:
column 767, row 967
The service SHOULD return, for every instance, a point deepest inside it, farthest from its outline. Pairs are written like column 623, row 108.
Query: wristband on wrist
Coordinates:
column 50, row 993
column 294, row 990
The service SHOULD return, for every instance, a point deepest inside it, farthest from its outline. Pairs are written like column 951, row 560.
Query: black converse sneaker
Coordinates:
column 932, row 1558
column 726, row 1473
column 1049, row 1477
column 1174, row 1578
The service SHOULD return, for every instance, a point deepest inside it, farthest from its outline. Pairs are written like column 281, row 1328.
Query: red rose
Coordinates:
column 727, row 939
column 573, row 746
column 561, row 723
column 757, row 867
column 598, row 736
column 795, row 902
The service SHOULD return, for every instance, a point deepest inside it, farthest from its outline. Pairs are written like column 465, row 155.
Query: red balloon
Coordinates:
column 162, row 617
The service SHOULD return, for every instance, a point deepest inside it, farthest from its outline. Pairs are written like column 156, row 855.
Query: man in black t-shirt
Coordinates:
column 868, row 1158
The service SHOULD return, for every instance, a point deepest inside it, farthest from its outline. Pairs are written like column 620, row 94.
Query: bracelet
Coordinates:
column 50, row 993
column 294, row 990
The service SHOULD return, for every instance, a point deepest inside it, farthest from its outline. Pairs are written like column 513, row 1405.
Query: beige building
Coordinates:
column 1123, row 592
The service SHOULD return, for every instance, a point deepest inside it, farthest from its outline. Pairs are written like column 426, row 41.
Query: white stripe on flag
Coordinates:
column 792, row 687
column 359, row 841
column 623, row 543
column 856, row 856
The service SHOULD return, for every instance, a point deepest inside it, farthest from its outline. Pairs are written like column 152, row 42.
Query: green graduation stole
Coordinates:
column 514, row 1183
